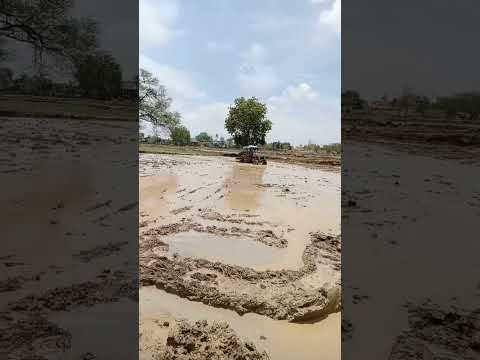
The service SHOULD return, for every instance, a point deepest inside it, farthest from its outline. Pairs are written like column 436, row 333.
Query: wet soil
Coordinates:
column 254, row 240
column 51, row 265
column 437, row 332
column 207, row 341
column 413, row 212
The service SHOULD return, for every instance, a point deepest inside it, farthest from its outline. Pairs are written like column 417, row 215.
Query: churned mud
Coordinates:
column 207, row 341
column 52, row 267
column 242, row 245
column 410, row 210
column 294, row 295
column 436, row 332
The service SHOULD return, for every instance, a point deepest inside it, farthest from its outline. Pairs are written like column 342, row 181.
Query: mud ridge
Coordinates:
column 267, row 237
column 281, row 294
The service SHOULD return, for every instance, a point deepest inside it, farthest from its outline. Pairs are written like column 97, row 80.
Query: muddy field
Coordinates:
column 62, row 258
column 243, row 251
column 310, row 159
column 410, row 212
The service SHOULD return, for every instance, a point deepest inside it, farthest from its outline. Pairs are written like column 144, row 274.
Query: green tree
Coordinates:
column 204, row 137
column 180, row 135
column 99, row 76
column 247, row 122
column 468, row 103
column 154, row 103
column 49, row 28
column 352, row 99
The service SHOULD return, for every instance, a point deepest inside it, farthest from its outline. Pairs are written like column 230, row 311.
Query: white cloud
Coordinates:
column 199, row 113
column 331, row 17
column 179, row 84
column 255, row 77
column 300, row 114
column 157, row 21
column 208, row 117
column 301, row 92
column 257, row 80
column 255, row 54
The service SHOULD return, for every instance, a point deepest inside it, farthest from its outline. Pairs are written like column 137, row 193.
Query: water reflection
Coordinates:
column 242, row 186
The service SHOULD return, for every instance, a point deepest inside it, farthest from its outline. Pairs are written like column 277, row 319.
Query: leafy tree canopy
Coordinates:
column 203, row 137
column 154, row 103
column 47, row 26
column 247, row 122
column 180, row 135
column 100, row 76
column 468, row 103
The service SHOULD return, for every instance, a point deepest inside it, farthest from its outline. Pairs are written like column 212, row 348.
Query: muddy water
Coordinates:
column 281, row 340
column 289, row 200
column 286, row 196
column 230, row 250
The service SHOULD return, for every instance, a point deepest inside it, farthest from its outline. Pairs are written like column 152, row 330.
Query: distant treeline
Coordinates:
column 464, row 105
column 60, row 43
column 334, row 148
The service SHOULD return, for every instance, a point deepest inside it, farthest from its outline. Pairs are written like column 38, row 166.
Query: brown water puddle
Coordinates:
column 154, row 193
column 228, row 250
column 242, row 192
column 282, row 340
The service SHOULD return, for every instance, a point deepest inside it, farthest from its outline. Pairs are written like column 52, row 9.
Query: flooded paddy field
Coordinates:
column 411, row 270
column 62, row 257
column 253, row 248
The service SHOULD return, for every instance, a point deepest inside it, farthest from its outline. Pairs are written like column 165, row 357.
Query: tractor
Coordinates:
column 249, row 154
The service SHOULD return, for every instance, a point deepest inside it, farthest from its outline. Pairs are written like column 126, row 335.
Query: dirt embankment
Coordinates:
column 292, row 295
column 455, row 138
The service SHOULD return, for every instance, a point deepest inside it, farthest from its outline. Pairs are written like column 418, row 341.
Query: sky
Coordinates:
column 286, row 53
column 425, row 45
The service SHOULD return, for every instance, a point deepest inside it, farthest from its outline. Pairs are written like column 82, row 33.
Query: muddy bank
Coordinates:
column 437, row 136
column 286, row 295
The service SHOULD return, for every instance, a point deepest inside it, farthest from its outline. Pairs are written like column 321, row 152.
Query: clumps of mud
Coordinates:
column 27, row 334
column 293, row 295
column 100, row 251
column 180, row 210
column 347, row 330
column 215, row 216
column 14, row 283
column 266, row 237
column 437, row 333
column 151, row 164
column 216, row 341
column 32, row 337
column 67, row 298
column 11, row 284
